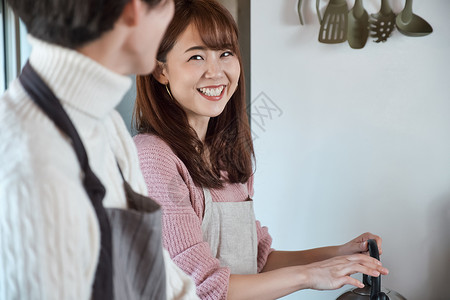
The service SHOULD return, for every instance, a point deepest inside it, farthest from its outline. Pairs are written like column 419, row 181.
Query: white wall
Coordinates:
column 126, row 106
column 232, row 6
column 362, row 142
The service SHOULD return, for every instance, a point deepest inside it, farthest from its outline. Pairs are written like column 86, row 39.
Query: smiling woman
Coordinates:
column 195, row 151
column 202, row 80
column 200, row 51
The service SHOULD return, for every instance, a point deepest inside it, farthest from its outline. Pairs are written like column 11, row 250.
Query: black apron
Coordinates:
column 131, row 263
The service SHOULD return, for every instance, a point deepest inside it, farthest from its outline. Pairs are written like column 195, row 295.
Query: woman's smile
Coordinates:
column 212, row 93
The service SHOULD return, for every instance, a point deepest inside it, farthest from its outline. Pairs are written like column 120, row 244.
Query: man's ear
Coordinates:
column 160, row 73
column 130, row 14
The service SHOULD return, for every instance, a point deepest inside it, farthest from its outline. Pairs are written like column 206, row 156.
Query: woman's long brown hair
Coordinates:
column 228, row 136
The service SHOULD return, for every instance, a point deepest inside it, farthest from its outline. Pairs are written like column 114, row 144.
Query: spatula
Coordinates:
column 333, row 26
column 358, row 26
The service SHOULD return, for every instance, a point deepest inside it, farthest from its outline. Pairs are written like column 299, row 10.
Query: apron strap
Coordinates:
column 207, row 195
column 41, row 94
column 208, row 201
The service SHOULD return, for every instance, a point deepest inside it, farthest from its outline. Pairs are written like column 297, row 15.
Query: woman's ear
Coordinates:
column 160, row 73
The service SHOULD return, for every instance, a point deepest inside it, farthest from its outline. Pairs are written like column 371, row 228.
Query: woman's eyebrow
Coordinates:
column 196, row 48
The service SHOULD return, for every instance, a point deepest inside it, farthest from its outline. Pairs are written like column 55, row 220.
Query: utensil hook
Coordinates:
column 299, row 11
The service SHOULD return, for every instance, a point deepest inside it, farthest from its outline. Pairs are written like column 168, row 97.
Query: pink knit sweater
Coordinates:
column 170, row 184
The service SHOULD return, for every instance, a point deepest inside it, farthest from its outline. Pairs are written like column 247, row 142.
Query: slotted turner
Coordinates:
column 333, row 26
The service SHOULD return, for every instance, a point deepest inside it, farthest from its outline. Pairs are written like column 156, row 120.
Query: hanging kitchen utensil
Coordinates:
column 383, row 23
column 333, row 26
column 372, row 285
column 299, row 11
column 411, row 24
column 358, row 26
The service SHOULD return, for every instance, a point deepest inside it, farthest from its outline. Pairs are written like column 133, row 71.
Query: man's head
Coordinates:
column 71, row 23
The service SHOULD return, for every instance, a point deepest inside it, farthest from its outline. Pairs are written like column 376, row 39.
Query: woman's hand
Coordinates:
column 335, row 272
column 360, row 245
column 328, row 274
column 281, row 259
column 320, row 269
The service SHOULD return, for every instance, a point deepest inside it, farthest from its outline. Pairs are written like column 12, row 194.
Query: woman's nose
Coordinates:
column 214, row 69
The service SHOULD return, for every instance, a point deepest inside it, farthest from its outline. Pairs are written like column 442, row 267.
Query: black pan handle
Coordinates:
column 374, row 282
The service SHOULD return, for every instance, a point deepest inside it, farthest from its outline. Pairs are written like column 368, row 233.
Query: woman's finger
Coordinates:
column 370, row 236
column 353, row 281
column 363, row 258
column 368, row 262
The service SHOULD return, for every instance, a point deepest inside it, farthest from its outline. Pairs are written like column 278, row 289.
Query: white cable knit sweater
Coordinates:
column 49, row 234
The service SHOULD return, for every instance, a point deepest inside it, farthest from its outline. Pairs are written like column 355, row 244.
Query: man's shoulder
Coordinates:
column 30, row 142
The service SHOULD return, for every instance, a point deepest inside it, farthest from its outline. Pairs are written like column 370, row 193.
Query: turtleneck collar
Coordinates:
column 77, row 80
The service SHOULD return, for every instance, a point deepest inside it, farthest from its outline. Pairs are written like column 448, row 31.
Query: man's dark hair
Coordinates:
column 70, row 23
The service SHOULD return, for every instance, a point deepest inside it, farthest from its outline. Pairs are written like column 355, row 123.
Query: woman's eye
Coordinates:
column 196, row 57
column 227, row 53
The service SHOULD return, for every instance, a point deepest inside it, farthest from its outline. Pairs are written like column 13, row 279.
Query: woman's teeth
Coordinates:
column 212, row 92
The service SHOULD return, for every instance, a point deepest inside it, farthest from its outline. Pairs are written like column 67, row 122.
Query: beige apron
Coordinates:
column 230, row 230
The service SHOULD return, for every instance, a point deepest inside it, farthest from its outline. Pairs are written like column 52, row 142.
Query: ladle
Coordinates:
column 411, row 24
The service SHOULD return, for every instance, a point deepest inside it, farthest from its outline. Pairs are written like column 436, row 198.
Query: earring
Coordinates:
column 168, row 91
